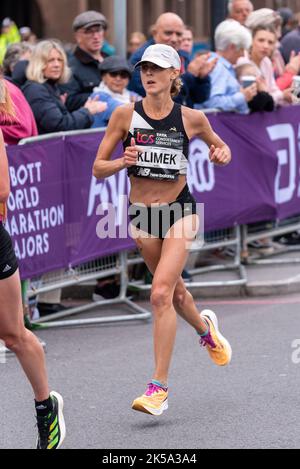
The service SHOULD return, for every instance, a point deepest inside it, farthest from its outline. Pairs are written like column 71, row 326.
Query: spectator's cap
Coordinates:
column 162, row 55
column 88, row 19
column 6, row 22
column 25, row 30
column 115, row 63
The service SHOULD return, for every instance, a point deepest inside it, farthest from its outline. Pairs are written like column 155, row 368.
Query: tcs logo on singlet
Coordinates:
column 145, row 138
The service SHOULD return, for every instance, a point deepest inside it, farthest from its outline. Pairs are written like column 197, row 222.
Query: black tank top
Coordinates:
column 164, row 145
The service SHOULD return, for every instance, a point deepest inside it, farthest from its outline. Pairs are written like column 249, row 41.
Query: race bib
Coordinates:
column 160, row 156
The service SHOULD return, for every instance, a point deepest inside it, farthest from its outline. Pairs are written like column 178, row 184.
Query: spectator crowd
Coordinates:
column 59, row 88
column 54, row 88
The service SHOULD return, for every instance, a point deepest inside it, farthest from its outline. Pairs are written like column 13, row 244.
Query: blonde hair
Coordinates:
column 176, row 87
column 7, row 108
column 39, row 59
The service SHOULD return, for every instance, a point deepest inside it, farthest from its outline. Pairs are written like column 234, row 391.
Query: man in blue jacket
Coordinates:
column 168, row 30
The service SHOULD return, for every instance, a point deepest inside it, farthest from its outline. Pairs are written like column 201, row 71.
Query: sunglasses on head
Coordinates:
column 122, row 73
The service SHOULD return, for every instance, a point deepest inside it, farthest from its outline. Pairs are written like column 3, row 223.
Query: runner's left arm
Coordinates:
column 219, row 152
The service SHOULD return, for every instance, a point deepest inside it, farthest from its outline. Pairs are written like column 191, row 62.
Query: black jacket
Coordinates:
column 18, row 76
column 49, row 111
column 85, row 76
column 262, row 102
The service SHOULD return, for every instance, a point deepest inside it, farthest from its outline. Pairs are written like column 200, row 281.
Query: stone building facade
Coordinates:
column 53, row 18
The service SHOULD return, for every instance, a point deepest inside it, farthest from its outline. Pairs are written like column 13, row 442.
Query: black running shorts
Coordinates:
column 157, row 221
column 8, row 260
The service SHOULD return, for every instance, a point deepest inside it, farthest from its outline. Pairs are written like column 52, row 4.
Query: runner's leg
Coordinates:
column 18, row 339
column 166, row 261
column 183, row 301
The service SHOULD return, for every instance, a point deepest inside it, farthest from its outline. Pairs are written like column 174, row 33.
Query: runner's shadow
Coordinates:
column 153, row 424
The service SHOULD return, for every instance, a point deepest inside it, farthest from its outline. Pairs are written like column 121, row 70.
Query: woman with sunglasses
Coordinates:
column 49, row 406
column 163, row 213
column 115, row 76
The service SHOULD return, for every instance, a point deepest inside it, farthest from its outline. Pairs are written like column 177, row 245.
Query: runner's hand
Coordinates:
column 131, row 155
column 219, row 156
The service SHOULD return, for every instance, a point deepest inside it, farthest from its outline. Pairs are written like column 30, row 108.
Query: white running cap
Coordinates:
column 162, row 55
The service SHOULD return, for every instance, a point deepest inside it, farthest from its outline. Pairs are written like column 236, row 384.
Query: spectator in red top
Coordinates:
column 25, row 125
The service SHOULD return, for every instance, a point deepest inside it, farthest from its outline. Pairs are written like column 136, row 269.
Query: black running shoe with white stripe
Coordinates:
column 51, row 428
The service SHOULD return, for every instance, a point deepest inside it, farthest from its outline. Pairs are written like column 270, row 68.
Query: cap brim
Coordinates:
column 116, row 69
column 89, row 25
column 160, row 62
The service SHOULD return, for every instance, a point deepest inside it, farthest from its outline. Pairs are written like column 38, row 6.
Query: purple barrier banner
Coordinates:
column 263, row 181
column 87, row 196
column 37, row 206
column 56, row 205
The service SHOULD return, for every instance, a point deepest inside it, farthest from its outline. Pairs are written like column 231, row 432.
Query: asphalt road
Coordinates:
column 254, row 403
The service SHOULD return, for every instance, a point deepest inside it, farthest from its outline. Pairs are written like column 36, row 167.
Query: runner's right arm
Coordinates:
column 4, row 174
column 116, row 131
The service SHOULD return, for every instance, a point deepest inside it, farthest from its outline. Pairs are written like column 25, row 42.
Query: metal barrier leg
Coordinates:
column 269, row 259
column 235, row 265
column 138, row 312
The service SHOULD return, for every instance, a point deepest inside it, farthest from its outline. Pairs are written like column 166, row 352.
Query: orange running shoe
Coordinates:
column 154, row 401
column 217, row 346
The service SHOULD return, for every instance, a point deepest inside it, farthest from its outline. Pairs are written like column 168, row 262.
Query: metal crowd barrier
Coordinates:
column 102, row 268
column 62, row 135
column 270, row 230
column 234, row 240
column 229, row 239
column 95, row 270
column 217, row 240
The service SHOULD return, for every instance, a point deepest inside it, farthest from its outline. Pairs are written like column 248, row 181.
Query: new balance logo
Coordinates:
column 6, row 269
column 144, row 172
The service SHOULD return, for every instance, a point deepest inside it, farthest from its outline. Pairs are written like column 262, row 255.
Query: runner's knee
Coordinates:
column 14, row 341
column 180, row 296
column 161, row 296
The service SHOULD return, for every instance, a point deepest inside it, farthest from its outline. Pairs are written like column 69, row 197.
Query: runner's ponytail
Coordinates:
column 176, row 87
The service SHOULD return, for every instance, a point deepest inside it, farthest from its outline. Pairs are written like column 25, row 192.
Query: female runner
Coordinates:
column 164, row 220
column 49, row 406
